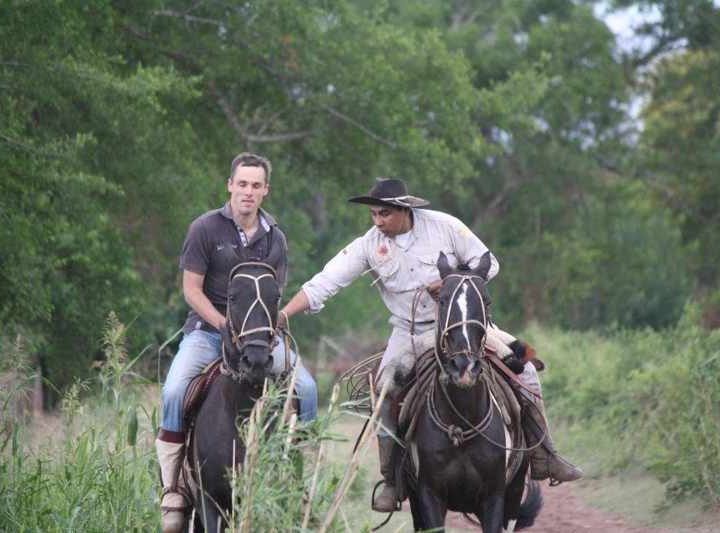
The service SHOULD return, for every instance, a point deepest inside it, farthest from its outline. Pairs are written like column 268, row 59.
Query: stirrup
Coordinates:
column 186, row 509
column 398, row 504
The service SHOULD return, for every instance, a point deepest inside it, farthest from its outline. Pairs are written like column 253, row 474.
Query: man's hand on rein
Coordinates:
column 434, row 289
column 282, row 320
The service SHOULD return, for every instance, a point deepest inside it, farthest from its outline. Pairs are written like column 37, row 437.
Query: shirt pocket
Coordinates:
column 386, row 271
column 428, row 260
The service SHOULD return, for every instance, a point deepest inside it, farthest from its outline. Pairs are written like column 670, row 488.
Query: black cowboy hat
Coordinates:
column 390, row 192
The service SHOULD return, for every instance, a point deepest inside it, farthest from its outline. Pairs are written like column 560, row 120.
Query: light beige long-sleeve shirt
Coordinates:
column 402, row 264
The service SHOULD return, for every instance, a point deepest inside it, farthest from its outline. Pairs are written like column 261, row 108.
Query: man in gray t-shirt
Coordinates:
column 217, row 241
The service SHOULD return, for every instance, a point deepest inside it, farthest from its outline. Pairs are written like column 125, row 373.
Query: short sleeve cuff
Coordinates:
column 196, row 268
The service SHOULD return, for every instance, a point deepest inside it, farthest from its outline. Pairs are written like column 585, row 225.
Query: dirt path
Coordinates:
column 565, row 512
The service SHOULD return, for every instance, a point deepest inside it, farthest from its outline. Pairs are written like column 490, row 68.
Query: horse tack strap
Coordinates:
column 512, row 376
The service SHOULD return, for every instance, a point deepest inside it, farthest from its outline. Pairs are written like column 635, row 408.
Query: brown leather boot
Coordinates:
column 545, row 462
column 175, row 506
column 386, row 501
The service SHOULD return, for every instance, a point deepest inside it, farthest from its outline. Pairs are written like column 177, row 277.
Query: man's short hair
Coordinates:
column 247, row 159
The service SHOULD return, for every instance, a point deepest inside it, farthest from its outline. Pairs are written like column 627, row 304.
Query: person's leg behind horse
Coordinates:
column 285, row 358
column 197, row 349
column 546, row 462
column 397, row 361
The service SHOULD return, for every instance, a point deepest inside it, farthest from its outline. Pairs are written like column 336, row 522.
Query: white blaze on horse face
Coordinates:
column 462, row 305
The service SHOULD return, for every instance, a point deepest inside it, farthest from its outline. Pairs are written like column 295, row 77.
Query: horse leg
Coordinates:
column 513, row 499
column 431, row 510
column 491, row 513
column 210, row 516
column 197, row 525
column 415, row 510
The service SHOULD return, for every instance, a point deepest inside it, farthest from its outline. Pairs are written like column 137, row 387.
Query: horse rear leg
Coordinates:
column 427, row 509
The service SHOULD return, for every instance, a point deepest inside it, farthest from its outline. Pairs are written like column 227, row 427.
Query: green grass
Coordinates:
column 638, row 410
column 639, row 400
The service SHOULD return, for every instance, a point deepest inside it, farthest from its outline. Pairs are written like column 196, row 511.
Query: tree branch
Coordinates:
column 235, row 124
column 186, row 17
column 334, row 112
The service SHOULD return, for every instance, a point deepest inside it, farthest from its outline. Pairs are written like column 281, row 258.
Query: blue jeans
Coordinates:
column 200, row 348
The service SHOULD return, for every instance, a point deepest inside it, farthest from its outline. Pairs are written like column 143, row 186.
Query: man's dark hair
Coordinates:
column 247, row 159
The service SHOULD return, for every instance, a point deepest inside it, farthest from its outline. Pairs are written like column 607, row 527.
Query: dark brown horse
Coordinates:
column 461, row 446
column 253, row 298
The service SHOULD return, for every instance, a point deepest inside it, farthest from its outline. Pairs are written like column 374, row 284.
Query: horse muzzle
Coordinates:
column 464, row 370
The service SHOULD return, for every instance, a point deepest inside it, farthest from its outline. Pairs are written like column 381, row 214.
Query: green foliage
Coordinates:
column 663, row 386
column 611, row 269
column 119, row 121
column 680, row 145
column 93, row 468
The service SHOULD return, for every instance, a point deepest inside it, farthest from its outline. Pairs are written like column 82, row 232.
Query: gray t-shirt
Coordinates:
column 215, row 244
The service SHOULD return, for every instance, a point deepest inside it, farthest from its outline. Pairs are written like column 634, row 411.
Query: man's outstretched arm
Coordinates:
column 297, row 304
column 339, row 272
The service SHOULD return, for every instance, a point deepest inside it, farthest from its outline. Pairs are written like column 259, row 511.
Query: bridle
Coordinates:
column 444, row 330
column 455, row 433
column 238, row 338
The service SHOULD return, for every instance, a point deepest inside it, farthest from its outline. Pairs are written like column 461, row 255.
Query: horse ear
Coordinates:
column 484, row 266
column 273, row 259
column 443, row 265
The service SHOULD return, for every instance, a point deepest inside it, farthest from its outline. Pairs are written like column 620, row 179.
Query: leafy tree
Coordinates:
column 82, row 131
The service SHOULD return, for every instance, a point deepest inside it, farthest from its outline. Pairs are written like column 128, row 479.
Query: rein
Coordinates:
column 237, row 337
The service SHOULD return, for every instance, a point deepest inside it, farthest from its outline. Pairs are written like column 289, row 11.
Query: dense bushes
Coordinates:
column 640, row 398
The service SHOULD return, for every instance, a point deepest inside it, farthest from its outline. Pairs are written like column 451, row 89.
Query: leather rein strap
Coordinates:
column 512, row 376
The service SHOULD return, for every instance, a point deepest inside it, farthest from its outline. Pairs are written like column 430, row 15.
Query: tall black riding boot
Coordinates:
column 545, row 462
column 386, row 501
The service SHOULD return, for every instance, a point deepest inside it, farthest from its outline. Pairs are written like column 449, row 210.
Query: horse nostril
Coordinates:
column 459, row 364
column 245, row 360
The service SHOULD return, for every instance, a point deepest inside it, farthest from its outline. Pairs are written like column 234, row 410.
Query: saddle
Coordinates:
column 197, row 391
column 411, row 402
column 413, row 396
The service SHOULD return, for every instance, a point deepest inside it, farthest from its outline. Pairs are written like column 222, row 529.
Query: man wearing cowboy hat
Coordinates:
column 401, row 251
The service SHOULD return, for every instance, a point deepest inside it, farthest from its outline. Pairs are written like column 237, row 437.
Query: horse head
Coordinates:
column 462, row 320
column 253, row 300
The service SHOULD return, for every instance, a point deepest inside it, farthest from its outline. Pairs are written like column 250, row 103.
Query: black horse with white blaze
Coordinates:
column 253, row 298
column 461, row 444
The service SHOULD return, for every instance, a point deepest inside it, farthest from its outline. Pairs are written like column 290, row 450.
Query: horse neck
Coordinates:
column 239, row 397
column 472, row 403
